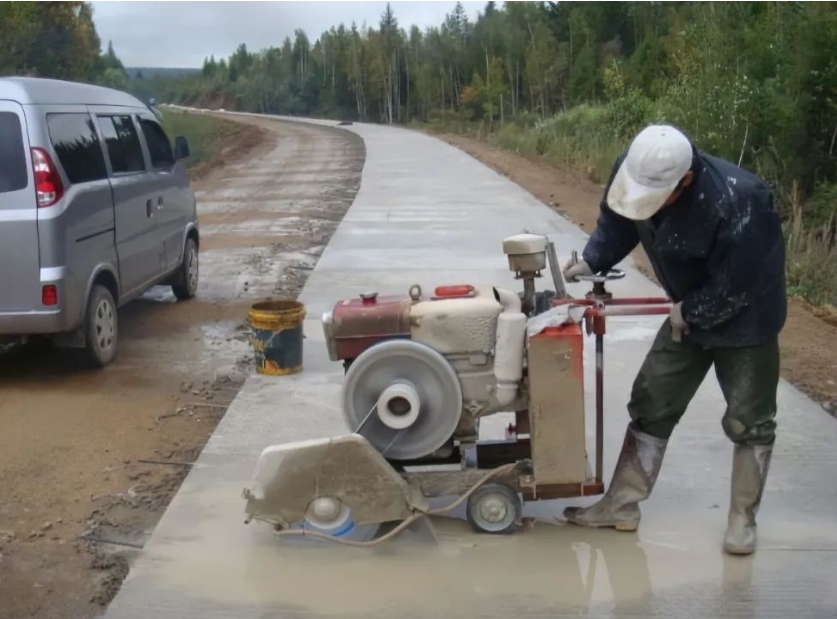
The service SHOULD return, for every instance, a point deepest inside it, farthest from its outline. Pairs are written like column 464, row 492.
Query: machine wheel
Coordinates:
column 331, row 517
column 100, row 327
column 186, row 280
column 494, row 508
column 403, row 397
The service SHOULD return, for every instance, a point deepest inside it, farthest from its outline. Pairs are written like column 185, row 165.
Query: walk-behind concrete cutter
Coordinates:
column 421, row 371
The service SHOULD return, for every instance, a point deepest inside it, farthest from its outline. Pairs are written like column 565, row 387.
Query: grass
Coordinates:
column 208, row 136
column 811, row 258
column 579, row 138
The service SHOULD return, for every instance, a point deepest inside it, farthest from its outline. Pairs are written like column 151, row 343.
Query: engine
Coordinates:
column 422, row 369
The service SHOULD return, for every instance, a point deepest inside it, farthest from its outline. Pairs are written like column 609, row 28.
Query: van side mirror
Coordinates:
column 181, row 147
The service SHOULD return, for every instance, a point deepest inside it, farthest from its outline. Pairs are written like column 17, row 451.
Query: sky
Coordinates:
column 182, row 34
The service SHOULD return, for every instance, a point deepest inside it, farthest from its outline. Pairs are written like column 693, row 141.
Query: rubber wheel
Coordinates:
column 185, row 285
column 494, row 509
column 100, row 327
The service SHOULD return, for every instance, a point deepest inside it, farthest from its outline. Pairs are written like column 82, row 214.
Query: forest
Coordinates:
column 568, row 82
column 755, row 82
column 571, row 82
column 57, row 40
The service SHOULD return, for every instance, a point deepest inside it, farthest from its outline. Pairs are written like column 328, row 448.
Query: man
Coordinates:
column 716, row 246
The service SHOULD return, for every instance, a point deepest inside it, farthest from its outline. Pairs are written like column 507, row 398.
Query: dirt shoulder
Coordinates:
column 213, row 141
column 89, row 460
column 809, row 339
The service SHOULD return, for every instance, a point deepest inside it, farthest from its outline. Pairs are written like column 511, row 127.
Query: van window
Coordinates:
column 13, row 175
column 77, row 146
column 123, row 143
column 159, row 146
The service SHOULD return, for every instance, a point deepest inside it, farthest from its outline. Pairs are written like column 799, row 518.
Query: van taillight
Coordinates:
column 48, row 186
column 49, row 294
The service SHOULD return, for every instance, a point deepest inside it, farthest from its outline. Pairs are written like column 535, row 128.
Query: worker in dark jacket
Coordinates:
column 716, row 246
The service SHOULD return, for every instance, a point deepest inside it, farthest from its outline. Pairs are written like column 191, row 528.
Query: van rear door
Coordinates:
column 19, row 257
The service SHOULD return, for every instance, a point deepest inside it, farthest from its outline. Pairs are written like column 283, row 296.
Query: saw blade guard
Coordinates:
column 331, row 485
column 404, row 398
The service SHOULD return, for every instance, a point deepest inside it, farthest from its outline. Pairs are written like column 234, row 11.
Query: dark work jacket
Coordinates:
column 719, row 249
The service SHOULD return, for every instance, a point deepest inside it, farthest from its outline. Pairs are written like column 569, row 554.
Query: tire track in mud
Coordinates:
column 90, row 460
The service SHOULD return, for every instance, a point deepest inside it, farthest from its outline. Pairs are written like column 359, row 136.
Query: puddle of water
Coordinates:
column 550, row 570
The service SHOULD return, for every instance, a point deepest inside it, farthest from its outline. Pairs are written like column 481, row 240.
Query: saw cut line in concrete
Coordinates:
column 427, row 213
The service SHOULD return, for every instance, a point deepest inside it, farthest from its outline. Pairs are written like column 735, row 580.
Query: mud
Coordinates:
column 809, row 339
column 90, row 460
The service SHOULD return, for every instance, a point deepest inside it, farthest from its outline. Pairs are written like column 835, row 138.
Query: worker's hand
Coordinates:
column 679, row 327
column 571, row 271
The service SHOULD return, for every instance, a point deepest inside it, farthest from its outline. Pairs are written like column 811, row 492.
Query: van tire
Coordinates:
column 100, row 327
column 185, row 284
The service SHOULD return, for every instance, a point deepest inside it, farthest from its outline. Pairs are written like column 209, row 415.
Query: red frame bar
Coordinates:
column 616, row 301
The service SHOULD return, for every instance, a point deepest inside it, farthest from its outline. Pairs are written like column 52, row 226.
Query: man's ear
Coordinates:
column 688, row 178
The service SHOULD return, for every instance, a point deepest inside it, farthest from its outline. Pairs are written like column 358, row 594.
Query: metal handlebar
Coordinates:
column 601, row 278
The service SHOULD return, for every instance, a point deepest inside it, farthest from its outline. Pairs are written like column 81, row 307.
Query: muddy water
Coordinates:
column 71, row 438
column 550, row 570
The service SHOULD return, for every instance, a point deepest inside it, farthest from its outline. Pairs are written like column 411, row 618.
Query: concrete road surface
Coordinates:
column 427, row 213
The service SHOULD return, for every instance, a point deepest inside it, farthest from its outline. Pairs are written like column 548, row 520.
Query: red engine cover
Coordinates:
column 361, row 323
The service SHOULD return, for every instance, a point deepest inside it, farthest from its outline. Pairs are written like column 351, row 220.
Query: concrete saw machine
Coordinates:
column 421, row 372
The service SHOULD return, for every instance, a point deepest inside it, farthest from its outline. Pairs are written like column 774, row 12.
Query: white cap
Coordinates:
column 657, row 160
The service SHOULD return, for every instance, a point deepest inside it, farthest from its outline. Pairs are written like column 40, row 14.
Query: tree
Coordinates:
column 52, row 39
column 755, row 82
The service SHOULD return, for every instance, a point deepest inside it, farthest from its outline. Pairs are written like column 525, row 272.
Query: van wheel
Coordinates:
column 100, row 327
column 186, row 281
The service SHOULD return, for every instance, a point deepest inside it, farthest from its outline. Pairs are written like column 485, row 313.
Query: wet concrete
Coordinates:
column 428, row 214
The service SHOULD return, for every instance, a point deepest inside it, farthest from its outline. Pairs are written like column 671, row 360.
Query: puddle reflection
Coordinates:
column 548, row 569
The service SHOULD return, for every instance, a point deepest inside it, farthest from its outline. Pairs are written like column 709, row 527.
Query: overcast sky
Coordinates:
column 182, row 34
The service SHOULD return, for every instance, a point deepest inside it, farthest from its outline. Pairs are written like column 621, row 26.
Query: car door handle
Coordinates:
column 149, row 208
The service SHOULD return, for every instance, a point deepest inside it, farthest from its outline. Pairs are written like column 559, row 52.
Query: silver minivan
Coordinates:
column 95, row 208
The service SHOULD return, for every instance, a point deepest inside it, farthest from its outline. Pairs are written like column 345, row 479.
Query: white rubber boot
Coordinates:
column 635, row 474
column 750, row 464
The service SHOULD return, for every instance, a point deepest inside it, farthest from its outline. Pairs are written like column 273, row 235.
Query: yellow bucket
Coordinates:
column 276, row 336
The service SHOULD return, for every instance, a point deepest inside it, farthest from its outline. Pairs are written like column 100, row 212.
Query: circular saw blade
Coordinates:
column 434, row 381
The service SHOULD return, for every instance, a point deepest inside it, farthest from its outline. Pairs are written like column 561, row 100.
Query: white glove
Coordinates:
column 571, row 271
column 678, row 325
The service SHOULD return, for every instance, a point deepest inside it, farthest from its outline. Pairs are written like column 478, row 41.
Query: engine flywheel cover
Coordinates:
column 436, row 386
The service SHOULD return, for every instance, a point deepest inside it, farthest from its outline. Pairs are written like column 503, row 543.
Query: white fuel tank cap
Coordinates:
column 524, row 244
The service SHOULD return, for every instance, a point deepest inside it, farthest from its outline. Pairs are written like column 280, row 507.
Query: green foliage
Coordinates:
column 114, row 78
column 821, row 208
column 206, row 134
column 627, row 115
column 56, row 40
column 751, row 82
column 582, row 137
column 812, row 257
column 484, row 97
